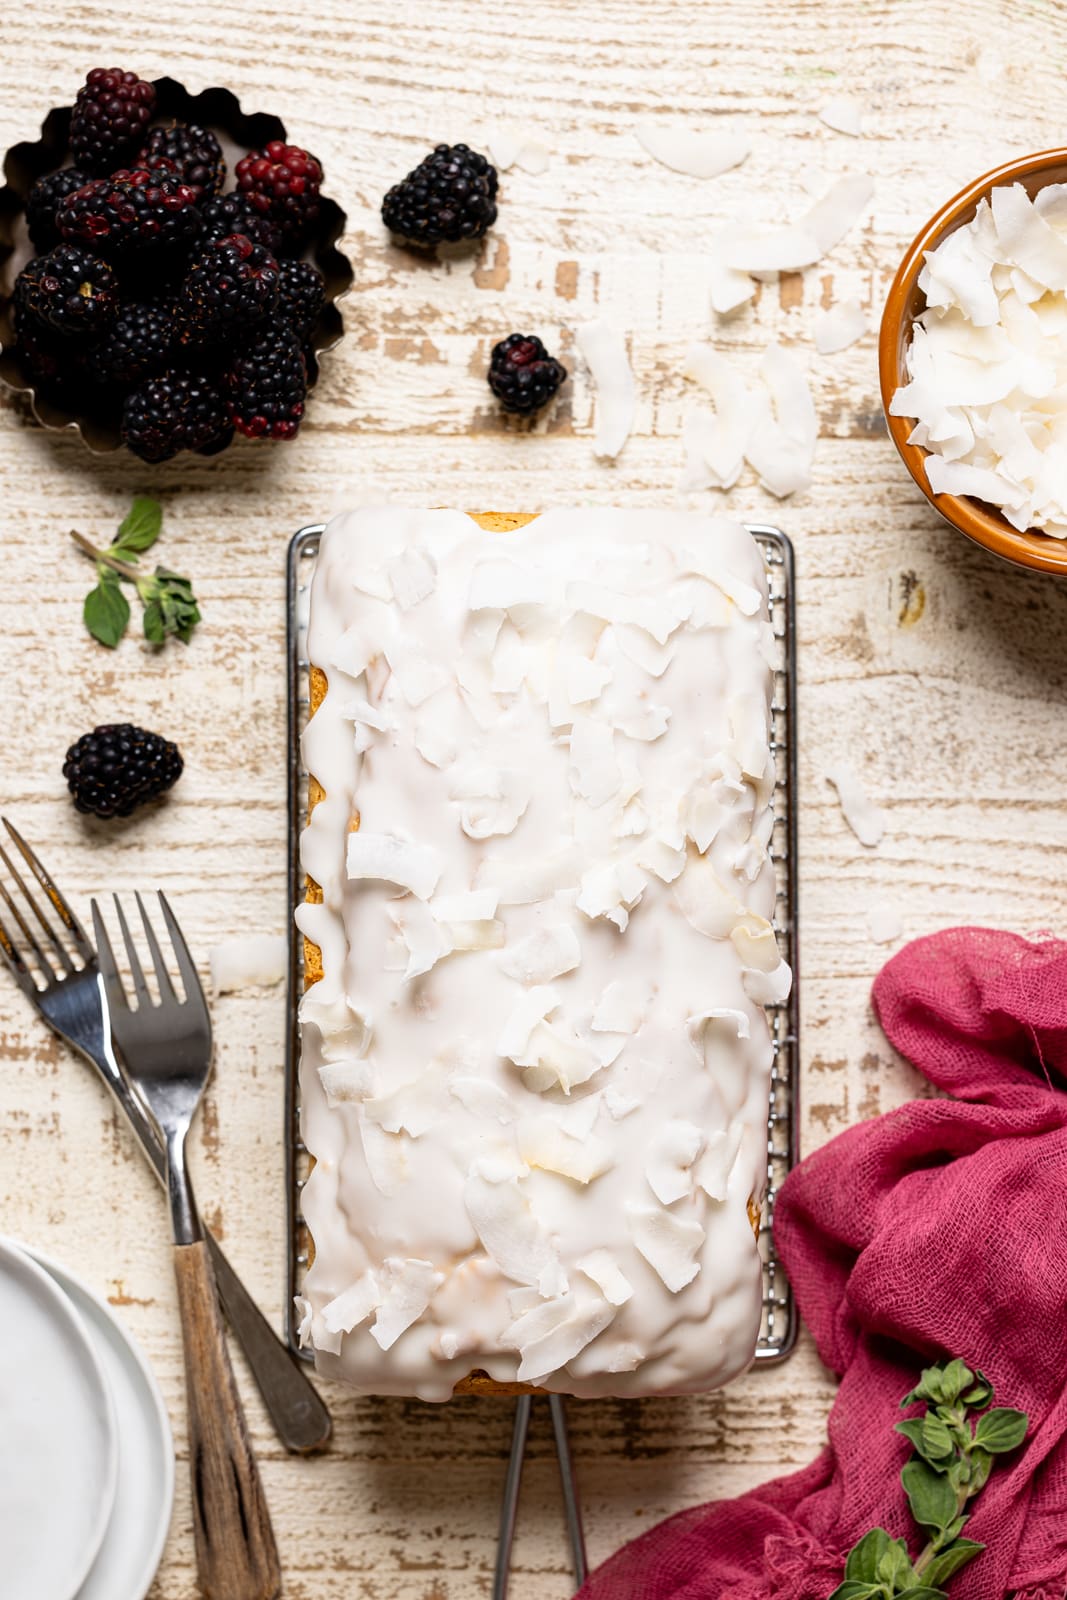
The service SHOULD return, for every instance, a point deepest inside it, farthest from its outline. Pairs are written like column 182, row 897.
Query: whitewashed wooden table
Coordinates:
column 955, row 717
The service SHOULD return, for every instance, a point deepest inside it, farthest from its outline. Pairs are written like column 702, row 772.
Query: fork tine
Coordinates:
column 166, row 988
column 136, row 970
column 194, row 990
column 15, row 964
column 63, row 911
column 50, row 933
column 116, row 994
column 48, row 972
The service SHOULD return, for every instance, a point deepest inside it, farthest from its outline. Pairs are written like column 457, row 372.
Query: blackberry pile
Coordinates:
column 184, row 311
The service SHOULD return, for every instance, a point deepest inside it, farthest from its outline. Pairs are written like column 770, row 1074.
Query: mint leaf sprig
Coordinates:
column 955, row 1441
column 170, row 606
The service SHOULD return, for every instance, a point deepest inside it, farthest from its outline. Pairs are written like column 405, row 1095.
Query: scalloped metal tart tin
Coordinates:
column 238, row 132
column 980, row 522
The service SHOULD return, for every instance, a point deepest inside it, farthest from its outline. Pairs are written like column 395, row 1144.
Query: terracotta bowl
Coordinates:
column 981, row 522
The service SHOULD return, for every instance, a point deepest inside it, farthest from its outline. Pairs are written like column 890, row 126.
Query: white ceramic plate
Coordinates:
column 134, row 1542
column 58, row 1437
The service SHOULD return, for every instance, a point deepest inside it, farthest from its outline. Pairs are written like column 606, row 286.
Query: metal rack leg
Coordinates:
column 512, row 1482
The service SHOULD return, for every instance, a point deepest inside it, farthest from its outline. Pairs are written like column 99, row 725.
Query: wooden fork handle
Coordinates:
column 236, row 1555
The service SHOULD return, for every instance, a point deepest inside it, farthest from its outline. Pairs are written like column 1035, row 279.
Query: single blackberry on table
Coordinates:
column 224, row 214
column 110, row 119
column 138, row 344
column 230, row 287
column 523, row 375
column 192, row 152
column 131, row 211
column 449, row 196
column 179, row 411
column 301, row 296
column 118, row 767
column 69, row 290
column 266, row 386
column 282, row 182
column 42, row 201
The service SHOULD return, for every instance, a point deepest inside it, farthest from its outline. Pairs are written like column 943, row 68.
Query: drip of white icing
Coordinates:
column 520, row 1163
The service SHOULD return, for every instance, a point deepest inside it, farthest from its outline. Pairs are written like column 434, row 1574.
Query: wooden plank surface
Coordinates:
column 955, row 717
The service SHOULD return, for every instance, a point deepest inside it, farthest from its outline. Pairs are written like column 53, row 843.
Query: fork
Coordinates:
column 166, row 1046
column 72, row 1004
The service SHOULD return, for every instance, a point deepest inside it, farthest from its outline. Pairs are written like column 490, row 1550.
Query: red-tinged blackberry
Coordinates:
column 523, row 375
column 118, row 767
column 180, row 411
column 130, row 212
column 110, row 119
column 230, row 287
column 42, row 201
column 192, row 152
column 282, row 183
column 449, row 196
column 301, row 296
column 266, row 386
column 232, row 213
column 138, row 345
column 69, row 291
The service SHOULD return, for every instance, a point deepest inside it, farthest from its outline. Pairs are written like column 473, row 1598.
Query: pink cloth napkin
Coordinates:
column 939, row 1229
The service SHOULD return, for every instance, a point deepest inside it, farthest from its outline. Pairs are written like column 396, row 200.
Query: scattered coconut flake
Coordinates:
column 554, row 1349
column 626, row 1357
column 410, row 1286
column 667, row 1242
column 421, row 935
column 353, row 1305
column 492, row 799
column 417, row 677
column 674, row 1149
column 782, row 448
column 799, row 244
column 529, row 1009
column 604, row 350
column 558, row 1060
column 511, row 1234
column 594, row 770
column 385, row 1155
column 698, row 155
column 522, row 882
column 611, row 890
column 499, row 585
column 728, row 288
column 622, row 1007
column 382, row 855
column 712, row 1170
column 435, row 742
column 602, row 1269
column 697, row 1026
column 704, row 899
column 486, row 934
column 473, row 905
column 884, row 924
column 844, row 114
column 546, row 953
column 544, row 1144
column 411, row 1108
column 482, row 1098
column 346, row 1081
column 413, row 576
column 840, row 208
column 509, row 148
column 839, row 327
column 722, row 447
column 254, row 960
column 866, row 820
column 659, row 617
column 619, row 1105
column 305, row 1318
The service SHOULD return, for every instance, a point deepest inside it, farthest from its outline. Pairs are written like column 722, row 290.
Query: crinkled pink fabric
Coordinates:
column 939, row 1229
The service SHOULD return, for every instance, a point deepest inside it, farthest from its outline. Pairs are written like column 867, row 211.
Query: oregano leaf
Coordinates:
column 937, row 1441
column 954, row 1379
column 895, row 1568
column 106, row 611
column 912, row 1431
column 951, row 1559
column 853, row 1590
column 139, row 528
column 1001, row 1430
column 921, row 1591
column 931, row 1497
column 864, row 1557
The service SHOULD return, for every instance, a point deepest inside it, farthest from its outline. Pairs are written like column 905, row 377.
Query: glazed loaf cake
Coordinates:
column 535, row 1059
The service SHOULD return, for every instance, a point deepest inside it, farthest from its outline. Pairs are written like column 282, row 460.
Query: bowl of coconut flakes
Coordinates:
column 973, row 361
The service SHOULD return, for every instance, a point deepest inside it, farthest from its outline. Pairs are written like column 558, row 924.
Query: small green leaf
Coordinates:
column 1001, row 1430
column 951, row 1559
column 953, row 1531
column 954, row 1379
column 921, row 1591
column 912, row 1431
column 864, row 1557
column 140, row 528
column 931, row 1497
column 937, row 1441
column 979, row 1394
column 851, row 1590
column 895, row 1569
column 981, row 1467
column 154, row 631
column 106, row 611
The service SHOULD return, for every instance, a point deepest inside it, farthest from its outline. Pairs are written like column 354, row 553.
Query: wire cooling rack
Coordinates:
column 778, row 1328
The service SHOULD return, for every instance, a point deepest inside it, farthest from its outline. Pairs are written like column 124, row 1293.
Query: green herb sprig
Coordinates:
column 955, row 1442
column 170, row 606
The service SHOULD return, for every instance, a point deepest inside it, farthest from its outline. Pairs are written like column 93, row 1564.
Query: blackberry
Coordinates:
column 230, row 287
column 130, row 212
column 266, row 386
column 282, row 183
column 56, row 368
column 192, row 152
column 68, row 290
column 301, row 296
column 179, row 411
column 138, row 345
column 451, row 195
column 41, row 203
column 523, row 375
column 118, row 767
column 110, row 119
column 233, row 213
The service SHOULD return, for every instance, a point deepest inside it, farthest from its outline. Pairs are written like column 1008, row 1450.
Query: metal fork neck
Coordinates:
column 183, row 1213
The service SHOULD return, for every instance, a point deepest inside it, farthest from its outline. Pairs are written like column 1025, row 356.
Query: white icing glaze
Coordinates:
column 534, row 1074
